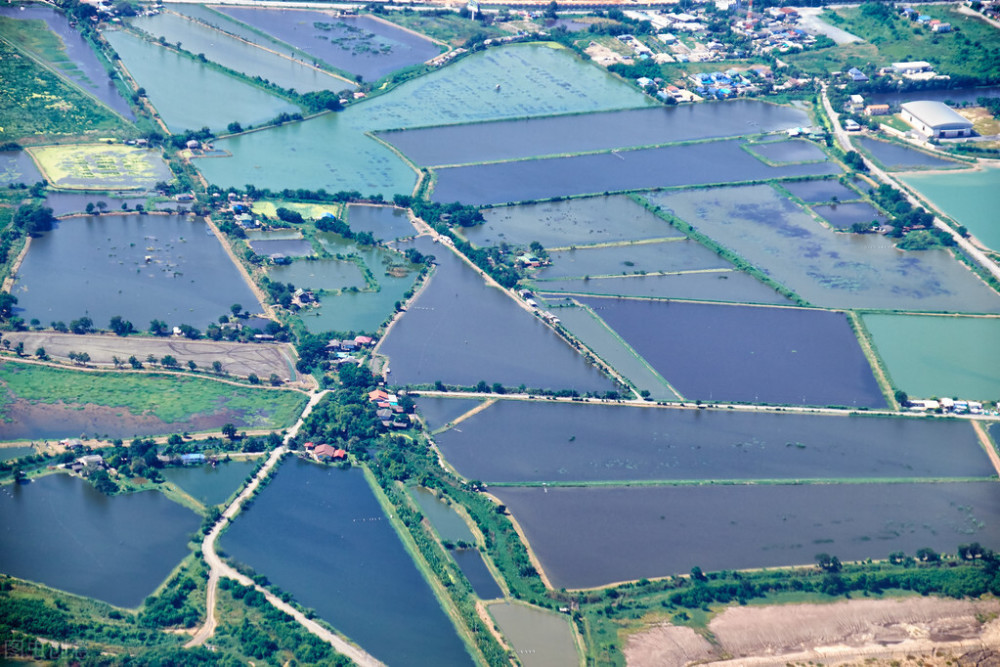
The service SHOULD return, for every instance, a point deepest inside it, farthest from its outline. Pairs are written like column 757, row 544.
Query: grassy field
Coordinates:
column 450, row 28
column 35, row 37
column 171, row 398
column 34, row 100
column 308, row 211
column 100, row 166
column 972, row 50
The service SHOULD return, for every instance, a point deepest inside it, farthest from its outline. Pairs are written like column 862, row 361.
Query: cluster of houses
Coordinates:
column 388, row 409
column 775, row 31
column 730, row 83
column 935, row 25
column 948, row 405
column 325, row 453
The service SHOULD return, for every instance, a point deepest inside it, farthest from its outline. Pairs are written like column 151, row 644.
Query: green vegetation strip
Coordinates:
column 171, row 398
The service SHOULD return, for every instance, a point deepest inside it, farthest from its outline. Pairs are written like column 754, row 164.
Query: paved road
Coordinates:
column 217, row 568
column 965, row 244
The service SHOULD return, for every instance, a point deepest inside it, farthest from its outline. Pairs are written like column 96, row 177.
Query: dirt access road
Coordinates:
column 218, row 568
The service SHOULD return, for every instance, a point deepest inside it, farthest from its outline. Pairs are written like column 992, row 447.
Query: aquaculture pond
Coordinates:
column 939, row 356
column 609, row 346
column 842, row 216
column 286, row 247
column 711, row 285
column 211, row 99
column 80, row 64
column 541, row 442
column 10, row 453
column 142, row 268
column 237, row 55
column 581, row 540
column 570, row 222
column 819, row 191
column 671, row 166
column 436, row 412
column 971, row 198
column 319, row 274
column 18, row 167
column 791, row 151
column 331, row 547
column 471, row 562
column 382, row 222
column 825, row 267
column 211, row 484
column 62, row 533
column 634, row 259
column 540, row 638
column 445, row 519
column 362, row 45
column 776, row 358
column 332, row 151
column 462, row 331
column 558, row 135
column 897, row 157
column 362, row 310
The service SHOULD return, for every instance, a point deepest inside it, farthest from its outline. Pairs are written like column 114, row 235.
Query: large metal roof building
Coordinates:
column 935, row 119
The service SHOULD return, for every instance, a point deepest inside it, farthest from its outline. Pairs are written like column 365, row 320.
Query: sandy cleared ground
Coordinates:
column 237, row 358
column 916, row 630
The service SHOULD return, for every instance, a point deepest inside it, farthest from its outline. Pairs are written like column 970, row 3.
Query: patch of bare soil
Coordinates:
column 667, row 645
column 870, row 633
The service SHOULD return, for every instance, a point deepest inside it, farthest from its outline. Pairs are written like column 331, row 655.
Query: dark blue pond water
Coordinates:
column 737, row 353
column 671, row 166
column 60, row 532
column 514, row 139
column 470, row 561
column 520, row 441
column 330, row 546
column 461, row 330
column 358, row 44
column 18, row 167
column 582, row 540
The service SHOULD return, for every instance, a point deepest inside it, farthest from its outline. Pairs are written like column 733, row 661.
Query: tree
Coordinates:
column 151, row 358
column 134, row 362
column 236, row 309
column 274, row 380
column 229, row 430
column 121, row 327
column 34, row 219
column 169, row 361
column 40, row 353
column 116, row 360
column 551, row 10
column 234, row 128
column 19, row 349
column 253, row 379
column 7, row 303
column 82, row 326
column 902, row 398
column 828, row 563
column 158, row 328
column 217, row 366
column 192, row 366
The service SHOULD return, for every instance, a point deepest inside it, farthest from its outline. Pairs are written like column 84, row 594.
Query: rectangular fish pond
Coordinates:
column 520, row 442
column 331, row 547
column 141, row 267
column 582, row 541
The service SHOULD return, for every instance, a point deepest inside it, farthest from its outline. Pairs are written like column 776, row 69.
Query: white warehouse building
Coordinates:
column 934, row 119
